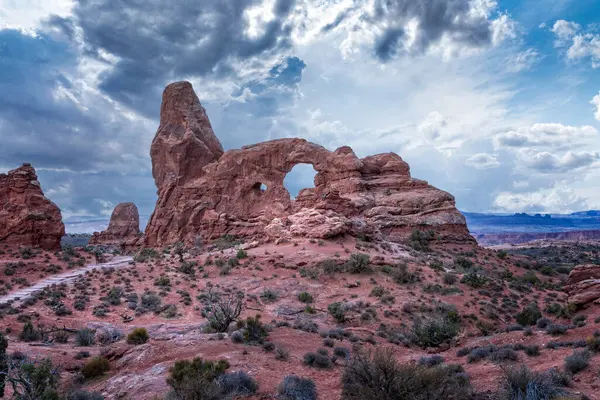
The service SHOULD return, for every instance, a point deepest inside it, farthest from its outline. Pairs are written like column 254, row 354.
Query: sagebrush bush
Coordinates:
column 379, row 376
column 296, row 388
column 358, row 263
column 197, row 379
column 578, row 361
column 95, row 367
column 85, row 337
column 30, row 333
column 138, row 336
column 529, row 315
column 305, row 297
column 317, row 360
column 519, row 382
column 237, row 383
column 434, row 331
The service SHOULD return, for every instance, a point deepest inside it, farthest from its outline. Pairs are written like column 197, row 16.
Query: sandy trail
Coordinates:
column 66, row 277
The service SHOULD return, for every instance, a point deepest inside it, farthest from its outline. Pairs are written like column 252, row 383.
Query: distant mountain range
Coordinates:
column 492, row 229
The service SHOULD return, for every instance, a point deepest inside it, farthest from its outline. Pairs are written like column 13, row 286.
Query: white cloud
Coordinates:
column 547, row 135
column 546, row 162
column 432, row 125
column 596, row 102
column 558, row 199
column 523, row 60
column 581, row 44
column 26, row 15
column 482, row 161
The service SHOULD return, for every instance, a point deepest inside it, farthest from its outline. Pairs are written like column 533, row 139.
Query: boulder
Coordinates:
column 204, row 192
column 583, row 285
column 27, row 217
column 123, row 229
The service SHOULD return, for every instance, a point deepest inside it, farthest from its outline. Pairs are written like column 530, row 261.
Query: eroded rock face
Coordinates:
column 27, row 217
column 203, row 193
column 583, row 285
column 123, row 229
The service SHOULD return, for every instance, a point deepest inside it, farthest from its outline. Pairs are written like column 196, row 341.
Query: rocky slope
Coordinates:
column 123, row 229
column 205, row 193
column 27, row 217
column 583, row 285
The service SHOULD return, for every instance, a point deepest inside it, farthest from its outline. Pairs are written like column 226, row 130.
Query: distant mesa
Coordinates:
column 27, row 217
column 123, row 228
column 204, row 192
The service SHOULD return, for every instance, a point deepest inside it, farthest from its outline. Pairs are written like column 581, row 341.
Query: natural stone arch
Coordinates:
column 300, row 177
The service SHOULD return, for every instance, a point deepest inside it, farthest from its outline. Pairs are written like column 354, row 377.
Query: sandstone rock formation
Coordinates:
column 123, row 229
column 203, row 192
column 27, row 217
column 583, row 285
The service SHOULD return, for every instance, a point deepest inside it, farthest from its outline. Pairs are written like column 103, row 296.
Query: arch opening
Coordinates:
column 259, row 187
column 301, row 176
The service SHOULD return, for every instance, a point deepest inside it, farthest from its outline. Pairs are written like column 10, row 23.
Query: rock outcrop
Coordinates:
column 583, row 285
column 123, row 229
column 27, row 217
column 205, row 193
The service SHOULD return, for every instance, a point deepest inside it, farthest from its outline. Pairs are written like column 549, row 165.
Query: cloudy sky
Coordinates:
column 497, row 102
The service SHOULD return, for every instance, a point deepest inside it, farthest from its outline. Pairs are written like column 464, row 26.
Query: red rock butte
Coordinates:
column 27, row 217
column 123, row 228
column 204, row 193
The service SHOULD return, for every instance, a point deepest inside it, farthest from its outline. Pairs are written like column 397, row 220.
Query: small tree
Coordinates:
column 223, row 309
column 31, row 379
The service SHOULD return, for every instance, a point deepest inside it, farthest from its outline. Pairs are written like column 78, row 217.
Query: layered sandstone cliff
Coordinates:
column 123, row 228
column 583, row 285
column 27, row 217
column 205, row 193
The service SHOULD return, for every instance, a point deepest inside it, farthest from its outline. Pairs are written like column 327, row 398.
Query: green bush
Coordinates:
column 474, row 280
column 529, row 315
column 419, row 240
column 358, row 263
column 379, row 376
column 305, row 297
column 196, row 379
column 241, row 253
column 434, row 331
column 30, row 333
column 402, row 275
column 337, row 311
column 97, row 366
column 138, row 336
column 33, row 380
column 253, row 330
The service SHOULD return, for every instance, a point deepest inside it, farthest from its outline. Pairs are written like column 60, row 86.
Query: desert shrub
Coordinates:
column 269, row 295
column 61, row 336
column 462, row 263
column 358, row 263
column 543, row 323
column 557, row 329
column 241, row 253
column 532, row 350
column 85, row 337
column 253, row 330
column 419, row 240
column 474, row 280
column 504, row 354
column 519, row 382
column 450, row 278
column 146, row 255
column 282, row 354
column 578, row 361
column 317, row 360
column 378, row 376
column 151, row 301
column 114, row 296
column 237, row 383
column 337, row 311
column 188, row 268
column 305, row 297
column 480, row 353
column 237, row 337
column 32, row 380
column 138, row 336
column 402, row 275
column 224, row 309
column 341, row 352
column 330, row 266
column 502, row 254
column 434, row 331
column 529, row 315
column 29, row 333
column 196, row 379
column 293, row 387
column 431, row 361
column 97, row 366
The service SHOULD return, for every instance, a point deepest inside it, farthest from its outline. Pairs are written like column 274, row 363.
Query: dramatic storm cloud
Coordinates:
column 487, row 101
